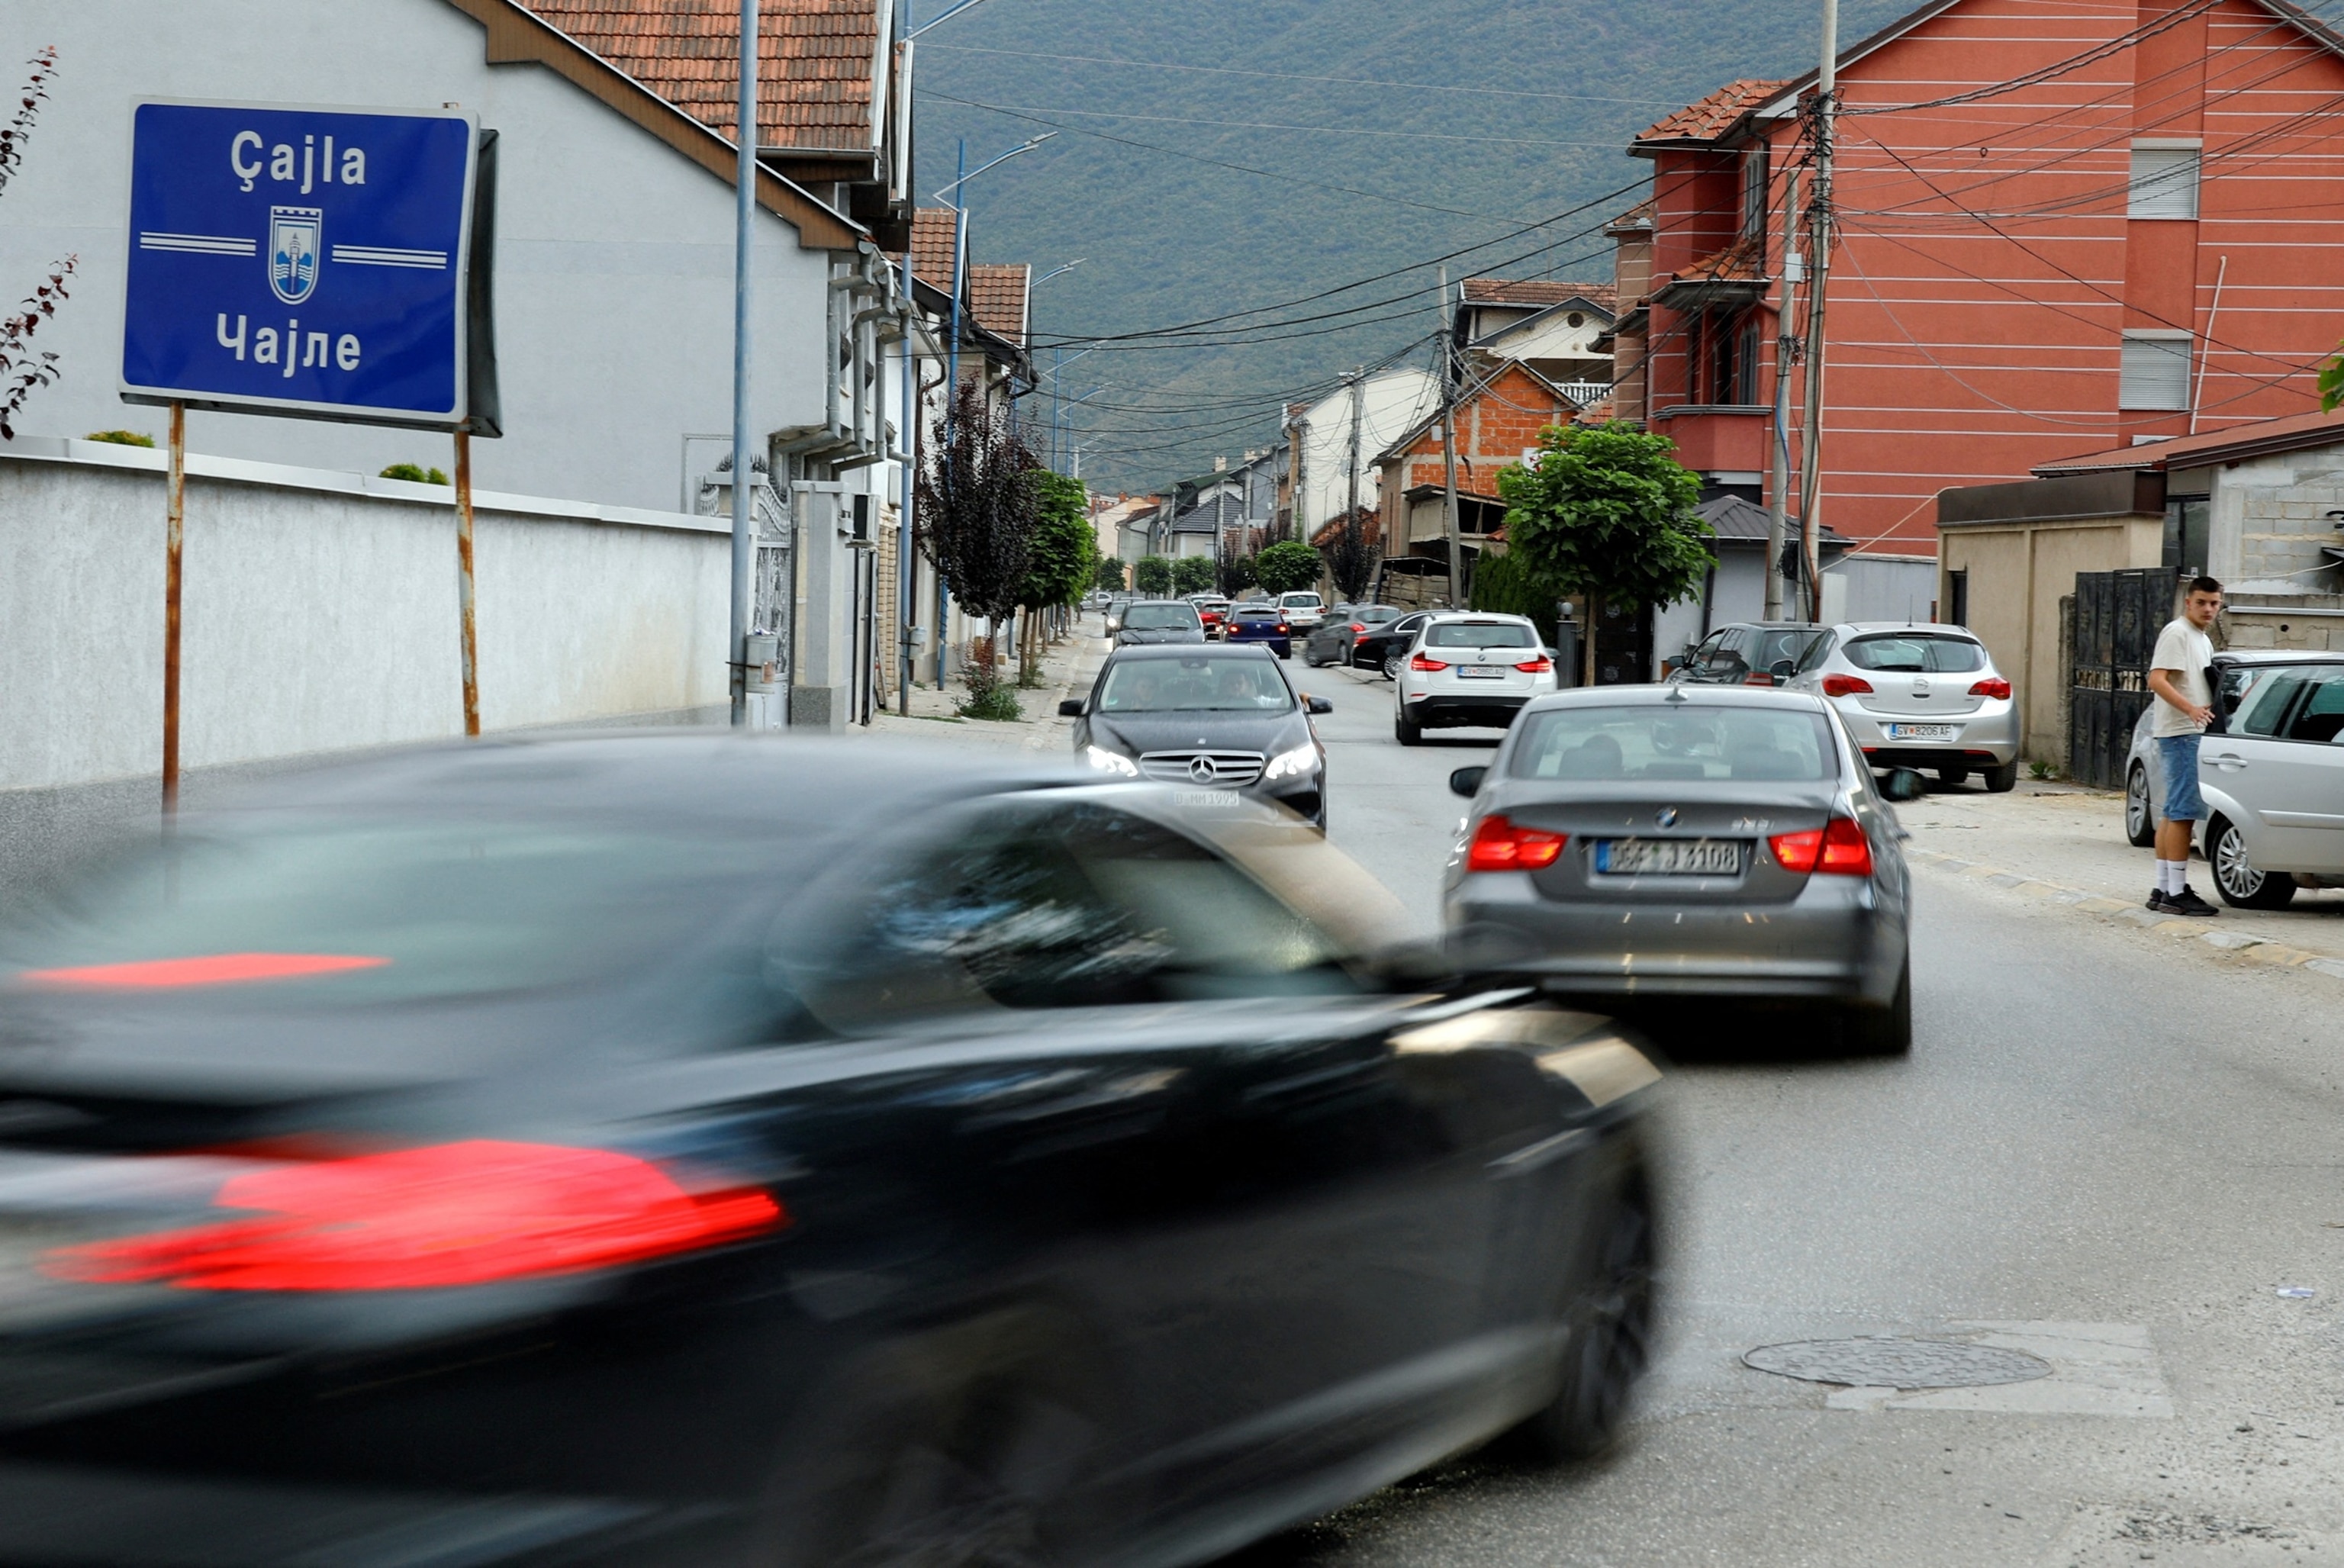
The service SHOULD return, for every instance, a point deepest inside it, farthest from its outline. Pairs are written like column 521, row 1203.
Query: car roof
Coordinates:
column 1479, row 615
column 1929, row 628
column 1189, row 651
column 1768, row 626
column 1676, row 696
column 2281, row 656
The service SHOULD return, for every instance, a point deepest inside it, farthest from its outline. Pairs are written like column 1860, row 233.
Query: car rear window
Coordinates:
column 1299, row 601
column 1374, row 615
column 1480, row 634
column 1155, row 617
column 1917, row 652
column 1256, row 613
column 1673, row 741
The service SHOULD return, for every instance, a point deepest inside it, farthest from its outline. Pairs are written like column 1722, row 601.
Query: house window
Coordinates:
column 2155, row 372
column 1753, row 192
column 2164, row 182
column 1729, row 360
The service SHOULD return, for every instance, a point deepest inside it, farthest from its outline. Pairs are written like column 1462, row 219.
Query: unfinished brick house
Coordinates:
column 1499, row 411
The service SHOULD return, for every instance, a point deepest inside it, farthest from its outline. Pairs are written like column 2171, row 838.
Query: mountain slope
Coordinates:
column 1463, row 122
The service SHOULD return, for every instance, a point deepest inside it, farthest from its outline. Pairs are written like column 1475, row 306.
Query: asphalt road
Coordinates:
column 2104, row 1149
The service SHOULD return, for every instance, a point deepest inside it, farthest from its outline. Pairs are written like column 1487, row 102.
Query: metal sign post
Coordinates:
column 314, row 263
column 464, row 581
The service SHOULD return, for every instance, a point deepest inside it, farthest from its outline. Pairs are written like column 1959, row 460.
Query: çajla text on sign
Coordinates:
column 313, row 170
column 310, row 352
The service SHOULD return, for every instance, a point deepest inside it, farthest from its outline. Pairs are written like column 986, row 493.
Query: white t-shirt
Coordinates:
column 2182, row 647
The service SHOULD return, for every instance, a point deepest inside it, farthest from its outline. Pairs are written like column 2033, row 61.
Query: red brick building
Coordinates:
column 1499, row 411
column 2061, row 228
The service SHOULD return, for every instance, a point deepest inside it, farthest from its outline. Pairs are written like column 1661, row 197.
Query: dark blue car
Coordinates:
column 1264, row 623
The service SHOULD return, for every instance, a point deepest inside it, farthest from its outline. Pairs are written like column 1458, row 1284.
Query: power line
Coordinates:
column 1316, row 130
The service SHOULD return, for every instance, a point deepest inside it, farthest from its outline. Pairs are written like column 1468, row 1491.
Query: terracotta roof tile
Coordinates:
column 1737, row 263
column 997, row 295
column 931, row 246
column 1539, row 292
column 815, row 58
column 1710, row 118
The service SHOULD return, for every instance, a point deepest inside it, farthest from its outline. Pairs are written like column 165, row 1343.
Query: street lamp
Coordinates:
column 1057, row 356
column 947, row 16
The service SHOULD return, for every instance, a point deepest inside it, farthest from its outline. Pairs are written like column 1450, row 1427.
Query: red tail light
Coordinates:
column 213, row 969
column 1499, row 846
column 1845, row 685
column 1281, row 628
column 1760, row 678
column 1357, row 626
column 1992, row 686
column 1420, row 662
column 1539, row 666
column 1839, row 849
column 420, row 1219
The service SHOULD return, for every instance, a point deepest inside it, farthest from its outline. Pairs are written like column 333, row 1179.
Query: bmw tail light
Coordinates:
column 1541, row 665
column 1839, row 849
column 1992, row 686
column 447, row 1215
column 1845, row 685
column 1428, row 665
column 1499, row 845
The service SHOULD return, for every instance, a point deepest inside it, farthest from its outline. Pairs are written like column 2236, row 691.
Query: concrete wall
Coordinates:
column 2268, row 621
column 614, row 251
column 2017, row 576
column 2269, row 518
column 320, row 613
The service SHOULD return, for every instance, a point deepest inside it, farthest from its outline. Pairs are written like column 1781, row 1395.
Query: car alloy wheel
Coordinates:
column 2140, row 822
column 1612, row 1334
column 1392, row 663
column 2235, row 876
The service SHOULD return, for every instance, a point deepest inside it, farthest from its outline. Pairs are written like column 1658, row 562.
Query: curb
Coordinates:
column 2255, row 949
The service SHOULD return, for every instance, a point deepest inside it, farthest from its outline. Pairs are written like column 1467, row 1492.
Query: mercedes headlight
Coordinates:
column 1109, row 762
column 1292, row 764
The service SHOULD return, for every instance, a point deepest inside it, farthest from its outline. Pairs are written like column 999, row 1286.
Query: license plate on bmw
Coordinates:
column 1921, row 732
column 1480, row 671
column 1668, row 857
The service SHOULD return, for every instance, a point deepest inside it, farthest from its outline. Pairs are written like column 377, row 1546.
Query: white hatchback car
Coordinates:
column 1466, row 669
column 1303, row 609
column 1917, row 696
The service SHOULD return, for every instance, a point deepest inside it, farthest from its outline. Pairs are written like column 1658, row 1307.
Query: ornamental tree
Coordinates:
column 1058, row 557
column 22, row 369
column 978, row 507
column 1152, row 575
column 1607, row 512
column 1287, row 568
column 1192, row 575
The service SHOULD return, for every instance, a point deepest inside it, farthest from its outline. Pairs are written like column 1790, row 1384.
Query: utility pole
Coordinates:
column 1785, row 351
column 1819, row 222
column 1358, row 402
column 744, row 496
column 1448, row 347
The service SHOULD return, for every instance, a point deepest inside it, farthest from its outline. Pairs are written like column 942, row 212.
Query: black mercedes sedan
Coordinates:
column 1150, row 620
column 1384, row 646
column 709, row 1150
column 1215, row 723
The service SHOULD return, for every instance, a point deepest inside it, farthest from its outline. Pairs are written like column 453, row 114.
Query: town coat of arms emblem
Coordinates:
column 293, row 246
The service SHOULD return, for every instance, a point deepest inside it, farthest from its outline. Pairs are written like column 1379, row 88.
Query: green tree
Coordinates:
column 1502, row 586
column 1109, row 575
column 978, row 510
column 1608, row 514
column 2331, row 384
column 1237, row 573
column 1058, row 559
column 1152, row 576
column 1192, row 575
column 1287, row 568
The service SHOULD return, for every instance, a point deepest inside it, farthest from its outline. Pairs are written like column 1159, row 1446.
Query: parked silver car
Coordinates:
column 1717, row 842
column 2273, row 780
column 1917, row 696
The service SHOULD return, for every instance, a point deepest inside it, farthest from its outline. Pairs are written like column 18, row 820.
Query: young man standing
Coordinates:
column 2185, row 697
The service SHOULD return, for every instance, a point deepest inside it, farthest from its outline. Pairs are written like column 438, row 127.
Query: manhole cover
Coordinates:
column 1889, row 1363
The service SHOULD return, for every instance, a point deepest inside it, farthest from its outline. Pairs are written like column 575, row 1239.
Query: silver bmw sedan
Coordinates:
column 1688, row 842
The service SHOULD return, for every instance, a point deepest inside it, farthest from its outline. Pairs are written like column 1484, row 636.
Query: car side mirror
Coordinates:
column 1317, row 705
column 1467, row 781
column 1782, row 669
column 1070, row 708
column 1903, row 783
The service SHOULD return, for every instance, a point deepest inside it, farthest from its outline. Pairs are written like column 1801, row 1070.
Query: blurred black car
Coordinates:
column 1147, row 621
column 715, row 1151
column 1213, row 723
column 1385, row 647
column 1747, row 653
column 1333, row 640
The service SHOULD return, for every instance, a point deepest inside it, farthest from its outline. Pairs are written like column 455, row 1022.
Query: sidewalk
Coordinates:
column 2060, row 843
column 1066, row 670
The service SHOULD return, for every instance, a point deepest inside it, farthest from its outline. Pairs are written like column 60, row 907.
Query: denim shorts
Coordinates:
column 2177, row 754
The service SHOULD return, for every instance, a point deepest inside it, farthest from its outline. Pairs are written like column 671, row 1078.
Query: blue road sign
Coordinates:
column 305, row 261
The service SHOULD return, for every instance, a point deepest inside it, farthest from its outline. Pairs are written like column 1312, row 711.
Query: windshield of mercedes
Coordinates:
column 1204, row 684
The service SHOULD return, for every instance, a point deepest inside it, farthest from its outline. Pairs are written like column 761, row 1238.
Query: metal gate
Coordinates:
column 2117, row 617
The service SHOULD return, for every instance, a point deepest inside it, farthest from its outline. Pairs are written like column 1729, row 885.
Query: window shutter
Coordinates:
column 2164, row 183
column 2155, row 372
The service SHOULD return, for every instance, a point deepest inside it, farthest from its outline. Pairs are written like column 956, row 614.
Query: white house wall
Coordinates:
column 1390, row 403
column 614, row 251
